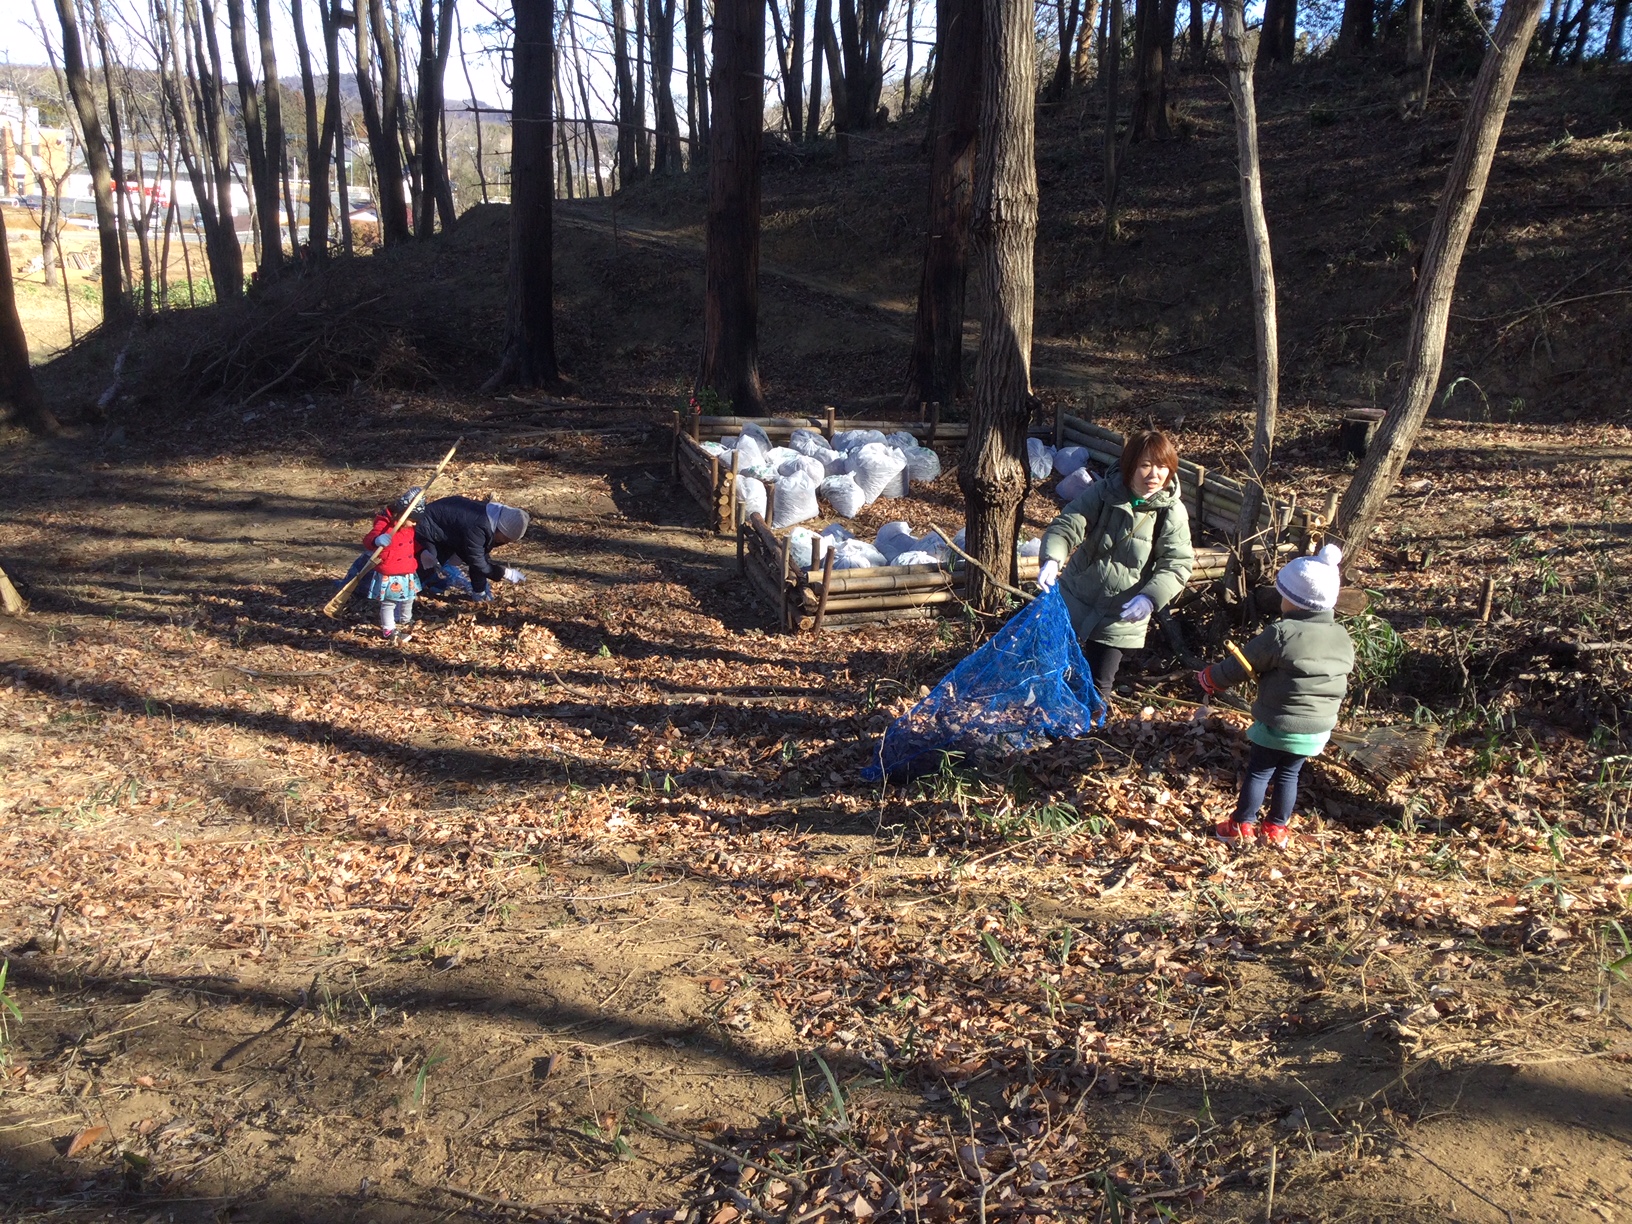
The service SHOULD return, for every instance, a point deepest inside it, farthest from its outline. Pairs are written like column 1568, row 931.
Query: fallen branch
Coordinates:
column 650, row 1123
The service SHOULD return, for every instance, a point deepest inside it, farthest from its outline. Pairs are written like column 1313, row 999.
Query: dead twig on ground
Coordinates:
column 670, row 1132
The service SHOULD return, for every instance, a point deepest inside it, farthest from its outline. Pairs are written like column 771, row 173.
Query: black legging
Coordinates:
column 1103, row 661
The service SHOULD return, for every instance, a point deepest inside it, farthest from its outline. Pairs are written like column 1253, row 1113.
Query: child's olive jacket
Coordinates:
column 1114, row 555
column 1302, row 662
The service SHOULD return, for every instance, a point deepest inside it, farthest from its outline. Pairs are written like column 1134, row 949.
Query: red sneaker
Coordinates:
column 1233, row 834
column 1276, row 835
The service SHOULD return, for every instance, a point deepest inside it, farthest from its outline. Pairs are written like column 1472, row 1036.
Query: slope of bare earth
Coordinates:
column 516, row 918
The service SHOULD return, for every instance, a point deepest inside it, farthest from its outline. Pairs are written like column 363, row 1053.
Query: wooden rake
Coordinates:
column 342, row 597
column 1384, row 756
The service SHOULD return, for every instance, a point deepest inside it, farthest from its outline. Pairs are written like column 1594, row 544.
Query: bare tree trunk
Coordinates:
column 1110, row 50
column 906, row 74
column 116, row 142
column 529, row 343
column 935, row 370
column 226, row 254
column 1149, row 121
column 861, row 39
column 1083, row 68
column 435, row 42
column 823, row 20
column 791, row 71
column 1279, row 38
column 629, row 168
column 476, row 104
column 17, row 384
column 1583, row 22
column 382, row 118
column 1436, row 284
column 342, row 191
column 1413, row 33
column 643, row 143
column 319, row 137
column 263, row 178
column 1615, row 43
column 277, row 154
column 697, row 78
column 730, row 365
column 993, row 473
column 589, row 115
column 838, row 86
column 117, row 308
column 667, row 158
column 1238, row 57
column 1358, row 27
column 1067, row 13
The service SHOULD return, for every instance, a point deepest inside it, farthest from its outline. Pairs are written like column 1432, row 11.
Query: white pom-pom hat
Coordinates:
column 1313, row 582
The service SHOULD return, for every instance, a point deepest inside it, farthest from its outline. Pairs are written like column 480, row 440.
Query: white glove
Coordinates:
column 1138, row 608
column 1048, row 575
column 513, row 575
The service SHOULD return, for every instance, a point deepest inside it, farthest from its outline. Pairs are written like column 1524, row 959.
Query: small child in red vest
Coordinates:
column 395, row 580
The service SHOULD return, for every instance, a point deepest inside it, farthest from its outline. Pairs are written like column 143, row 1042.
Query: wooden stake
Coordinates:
column 732, row 508
column 785, row 609
column 934, row 421
column 827, row 581
column 1059, row 424
column 1487, row 597
column 828, row 428
column 674, row 451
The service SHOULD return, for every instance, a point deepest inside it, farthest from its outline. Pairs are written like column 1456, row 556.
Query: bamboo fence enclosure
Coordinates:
column 821, row 598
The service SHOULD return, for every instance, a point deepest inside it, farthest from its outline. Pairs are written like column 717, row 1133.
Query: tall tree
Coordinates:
column 935, row 369
column 643, row 142
column 629, row 168
column 666, row 153
column 1110, row 54
column 697, row 78
column 226, row 254
column 1358, row 28
column 435, row 43
column 1436, row 280
column 790, row 57
column 1150, row 54
column 1066, row 15
column 1279, row 37
column 823, row 20
column 319, row 141
column 276, row 146
column 263, row 178
column 730, row 365
column 1615, row 41
column 382, row 115
column 529, row 335
column 1238, row 57
column 992, row 473
column 17, row 384
column 117, row 307
column 1083, row 64
column 861, row 41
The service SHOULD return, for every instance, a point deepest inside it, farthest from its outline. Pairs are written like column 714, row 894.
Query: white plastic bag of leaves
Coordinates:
column 778, row 455
column 848, row 440
column 843, row 494
column 902, row 440
column 752, row 453
column 856, row 554
column 923, row 464
column 1069, row 459
column 795, row 499
column 802, row 548
column 753, row 431
column 1074, row 486
column 802, row 463
column 879, row 469
column 806, row 441
column 1029, row 548
column 916, row 557
column 714, row 448
column 935, row 545
column 750, row 497
column 1039, row 458
column 895, row 538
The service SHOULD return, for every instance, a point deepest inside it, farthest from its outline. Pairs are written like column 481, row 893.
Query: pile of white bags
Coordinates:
column 855, row 470
column 1073, row 485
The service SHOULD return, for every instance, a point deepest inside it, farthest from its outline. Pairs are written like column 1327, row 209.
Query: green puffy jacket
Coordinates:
column 1302, row 662
column 1114, row 556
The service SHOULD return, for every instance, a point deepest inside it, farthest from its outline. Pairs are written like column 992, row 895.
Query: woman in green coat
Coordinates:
column 1120, row 551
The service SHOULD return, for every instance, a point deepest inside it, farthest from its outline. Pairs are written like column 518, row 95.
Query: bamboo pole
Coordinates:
column 827, row 577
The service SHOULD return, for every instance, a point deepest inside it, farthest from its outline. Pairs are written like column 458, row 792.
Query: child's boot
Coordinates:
column 1276, row 836
column 1235, row 833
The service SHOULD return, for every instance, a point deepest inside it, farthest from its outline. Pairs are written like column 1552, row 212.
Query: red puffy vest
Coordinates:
column 400, row 556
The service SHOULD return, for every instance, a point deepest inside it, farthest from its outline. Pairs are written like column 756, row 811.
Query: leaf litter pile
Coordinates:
column 507, row 884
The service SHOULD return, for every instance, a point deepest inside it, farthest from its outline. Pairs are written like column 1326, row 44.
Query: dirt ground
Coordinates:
column 575, row 907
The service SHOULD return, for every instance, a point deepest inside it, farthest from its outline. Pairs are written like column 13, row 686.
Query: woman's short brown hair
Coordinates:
column 1152, row 442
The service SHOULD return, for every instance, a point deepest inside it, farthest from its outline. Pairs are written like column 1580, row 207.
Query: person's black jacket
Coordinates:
column 459, row 527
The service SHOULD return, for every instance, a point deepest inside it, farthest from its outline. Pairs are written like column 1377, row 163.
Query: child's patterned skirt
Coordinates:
column 398, row 588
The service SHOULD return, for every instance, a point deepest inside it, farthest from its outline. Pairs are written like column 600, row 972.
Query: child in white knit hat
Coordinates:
column 1302, row 664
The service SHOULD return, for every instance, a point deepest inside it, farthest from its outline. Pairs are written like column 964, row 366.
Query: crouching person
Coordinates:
column 463, row 530
column 1302, row 664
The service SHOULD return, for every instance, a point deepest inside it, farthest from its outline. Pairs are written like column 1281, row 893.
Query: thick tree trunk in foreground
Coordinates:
column 529, row 346
column 935, row 369
column 1436, row 283
column 17, row 385
column 116, row 306
column 730, row 366
column 1238, row 57
column 992, row 473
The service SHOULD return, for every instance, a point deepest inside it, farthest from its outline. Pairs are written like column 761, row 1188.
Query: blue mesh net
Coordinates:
column 1026, row 685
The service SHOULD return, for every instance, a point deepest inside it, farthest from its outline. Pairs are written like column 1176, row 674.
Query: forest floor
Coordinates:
column 574, row 906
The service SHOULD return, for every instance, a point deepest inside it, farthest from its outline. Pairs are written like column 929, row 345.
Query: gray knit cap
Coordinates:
column 507, row 521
